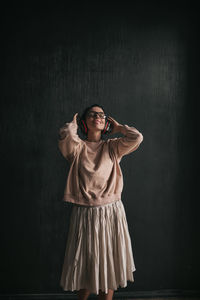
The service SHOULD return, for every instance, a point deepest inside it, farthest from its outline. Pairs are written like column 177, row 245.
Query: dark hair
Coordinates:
column 84, row 114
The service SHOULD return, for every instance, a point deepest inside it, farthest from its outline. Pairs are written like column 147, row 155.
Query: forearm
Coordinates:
column 128, row 143
column 123, row 129
column 68, row 139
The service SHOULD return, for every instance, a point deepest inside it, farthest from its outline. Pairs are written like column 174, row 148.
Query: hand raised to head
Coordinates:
column 115, row 125
column 75, row 118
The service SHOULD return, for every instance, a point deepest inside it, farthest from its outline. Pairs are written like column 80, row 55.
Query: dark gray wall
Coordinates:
column 140, row 63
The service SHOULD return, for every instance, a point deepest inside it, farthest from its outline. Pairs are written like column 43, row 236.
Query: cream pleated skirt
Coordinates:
column 98, row 252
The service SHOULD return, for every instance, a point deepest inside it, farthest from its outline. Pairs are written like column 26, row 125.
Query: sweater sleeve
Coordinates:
column 68, row 140
column 128, row 143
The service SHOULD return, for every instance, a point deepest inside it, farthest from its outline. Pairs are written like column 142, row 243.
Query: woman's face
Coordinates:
column 95, row 122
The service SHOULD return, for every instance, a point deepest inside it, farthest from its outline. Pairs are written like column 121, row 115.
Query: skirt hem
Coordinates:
column 103, row 290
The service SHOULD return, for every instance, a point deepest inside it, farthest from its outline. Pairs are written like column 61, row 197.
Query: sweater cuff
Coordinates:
column 68, row 129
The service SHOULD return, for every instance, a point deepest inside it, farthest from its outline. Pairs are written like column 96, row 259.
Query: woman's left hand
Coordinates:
column 115, row 125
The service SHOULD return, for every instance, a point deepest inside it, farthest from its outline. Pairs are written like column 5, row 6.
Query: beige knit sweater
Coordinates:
column 95, row 177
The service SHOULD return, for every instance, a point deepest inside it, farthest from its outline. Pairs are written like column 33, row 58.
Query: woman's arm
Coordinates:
column 69, row 141
column 127, row 144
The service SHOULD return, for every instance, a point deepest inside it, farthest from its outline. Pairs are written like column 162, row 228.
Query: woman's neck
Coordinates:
column 94, row 136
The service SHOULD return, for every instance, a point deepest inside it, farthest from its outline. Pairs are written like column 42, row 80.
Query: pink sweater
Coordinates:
column 95, row 177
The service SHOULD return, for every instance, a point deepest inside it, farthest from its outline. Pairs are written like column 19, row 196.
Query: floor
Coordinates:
column 161, row 298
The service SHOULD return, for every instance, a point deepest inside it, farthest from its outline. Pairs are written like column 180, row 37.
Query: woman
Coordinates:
column 98, row 255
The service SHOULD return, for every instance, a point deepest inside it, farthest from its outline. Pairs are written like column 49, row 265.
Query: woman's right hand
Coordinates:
column 75, row 118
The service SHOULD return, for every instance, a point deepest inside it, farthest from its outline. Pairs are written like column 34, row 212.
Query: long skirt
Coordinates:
column 98, row 252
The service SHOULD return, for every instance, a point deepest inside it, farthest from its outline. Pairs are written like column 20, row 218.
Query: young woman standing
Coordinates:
column 98, row 257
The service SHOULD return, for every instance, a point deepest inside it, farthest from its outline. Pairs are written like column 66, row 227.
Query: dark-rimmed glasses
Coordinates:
column 92, row 114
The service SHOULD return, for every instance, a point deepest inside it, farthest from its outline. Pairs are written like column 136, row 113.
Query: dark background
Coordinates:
column 140, row 62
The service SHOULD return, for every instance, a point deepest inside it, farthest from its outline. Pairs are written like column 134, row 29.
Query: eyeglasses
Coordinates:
column 92, row 114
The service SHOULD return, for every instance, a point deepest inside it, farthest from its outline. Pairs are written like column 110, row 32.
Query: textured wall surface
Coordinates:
column 139, row 62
